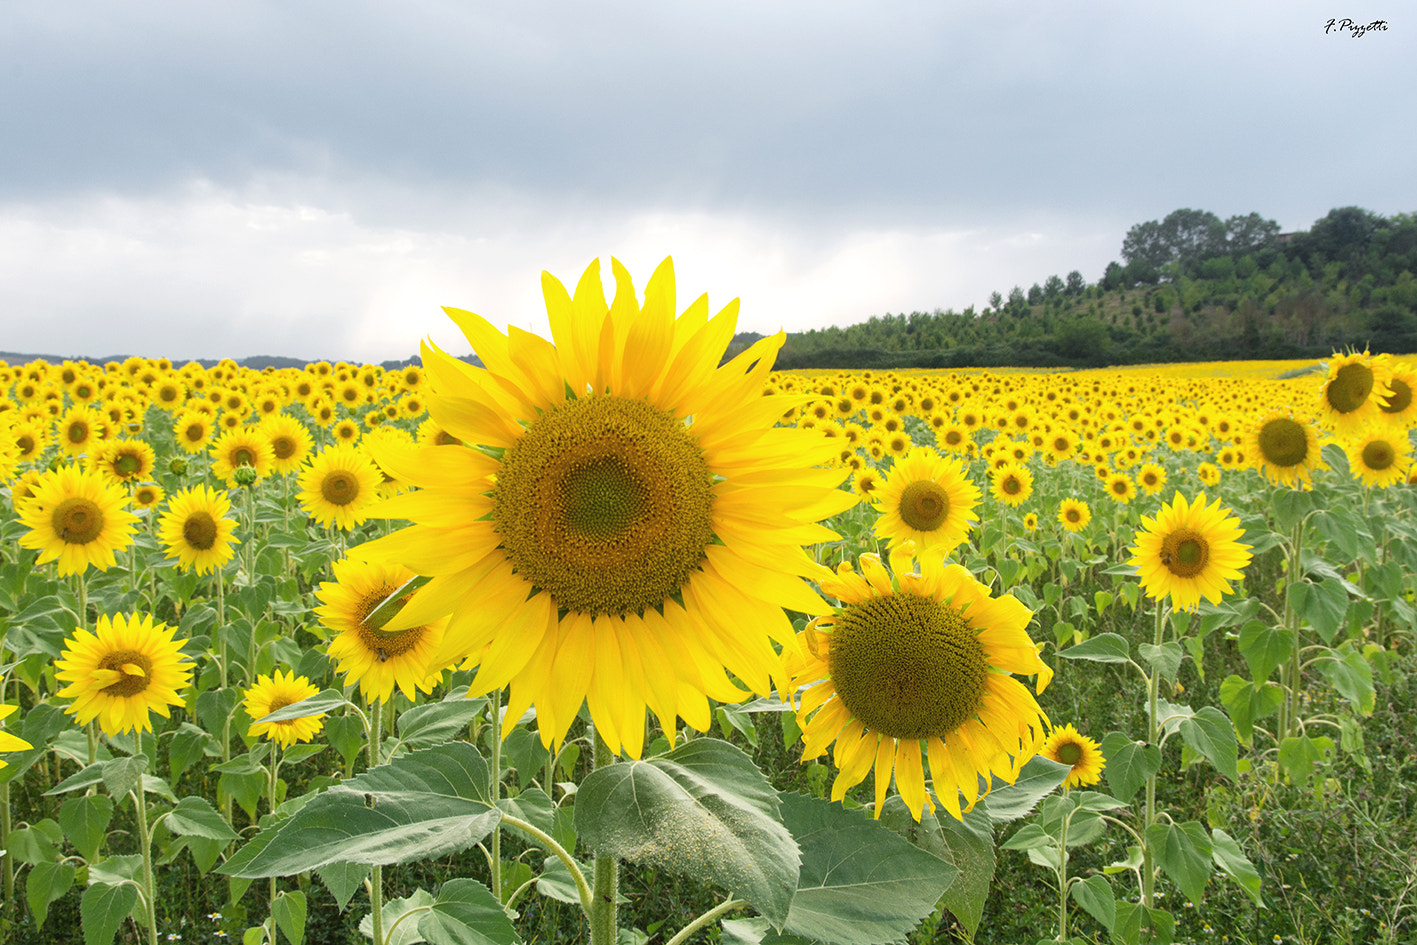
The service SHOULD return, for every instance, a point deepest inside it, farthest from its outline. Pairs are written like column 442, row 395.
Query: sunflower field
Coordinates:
column 609, row 637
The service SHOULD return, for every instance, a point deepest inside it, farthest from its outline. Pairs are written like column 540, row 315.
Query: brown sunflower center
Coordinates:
column 283, row 445
column 605, row 503
column 77, row 432
column 1283, row 442
column 1350, row 387
column 924, row 506
column 242, row 456
column 194, row 432
column 1185, row 552
column 1073, row 515
column 383, row 644
column 26, row 443
column 1400, row 398
column 907, row 666
column 77, row 521
column 1069, row 753
column 1379, row 454
column 1011, row 485
column 134, row 669
column 1062, row 444
column 200, row 530
column 1119, row 487
column 339, row 487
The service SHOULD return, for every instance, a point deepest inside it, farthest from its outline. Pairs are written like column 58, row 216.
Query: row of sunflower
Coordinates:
column 617, row 524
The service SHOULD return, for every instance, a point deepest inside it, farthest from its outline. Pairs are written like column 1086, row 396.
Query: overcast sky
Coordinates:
column 316, row 179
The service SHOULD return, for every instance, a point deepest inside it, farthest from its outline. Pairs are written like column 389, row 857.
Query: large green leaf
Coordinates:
column 860, row 881
column 320, row 703
column 1248, row 703
column 1229, row 857
column 1129, row 764
column 424, row 726
column 1265, row 647
column 400, row 927
column 288, row 909
column 704, row 811
column 1183, row 851
column 1038, row 778
column 1211, row 734
column 47, row 883
column 1095, row 895
column 466, row 913
column 195, row 817
column 85, row 821
column 343, row 880
column 1164, row 659
column 102, row 909
column 1298, row 755
column 1103, row 648
column 423, row 804
column 968, row 846
column 1322, row 605
column 1351, row 675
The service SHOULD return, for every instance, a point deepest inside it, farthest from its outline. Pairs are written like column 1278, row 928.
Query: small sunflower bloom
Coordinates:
column 1120, row 488
column 197, row 529
column 1189, row 551
column 127, row 668
column 1068, row 747
column 1012, row 484
column 1285, row 449
column 1380, row 458
column 238, row 447
column 338, row 486
column 927, row 499
column 1074, row 514
column 277, row 691
column 1151, row 478
column 78, row 519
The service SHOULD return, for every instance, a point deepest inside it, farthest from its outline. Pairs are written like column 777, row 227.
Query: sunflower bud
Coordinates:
column 244, row 475
column 178, row 466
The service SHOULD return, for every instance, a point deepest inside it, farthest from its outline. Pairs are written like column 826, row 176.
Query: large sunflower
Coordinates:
column 196, row 529
column 377, row 659
column 241, row 446
column 77, row 518
column 631, row 522
column 271, row 693
column 1353, row 393
column 927, row 499
column 1285, row 449
column 1189, row 551
column 914, row 664
column 1381, row 458
column 338, row 486
column 1069, row 747
column 125, row 669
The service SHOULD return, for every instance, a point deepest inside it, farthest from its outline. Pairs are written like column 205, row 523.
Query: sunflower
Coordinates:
column 290, row 441
column 1189, row 551
column 1381, row 458
column 77, row 518
column 632, row 522
column 1208, row 474
column 1120, row 488
column 1151, row 478
column 338, row 486
column 10, row 742
column 1013, row 484
column 927, row 499
column 1058, row 446
column 147, row 495
column 1398, row 408
column 1073, row 514
column 30, row 441
column 78, row 430
column 196, row 529
column 192, row 430
column 1285, row 449
column 377, row 659
column 125, row 669
column 918, row 663
column 866, row 483
column 124, row 460
column 244, row 446
column 1068, row 747
column 346, row 431
column 1353, row 394
column 276, row 692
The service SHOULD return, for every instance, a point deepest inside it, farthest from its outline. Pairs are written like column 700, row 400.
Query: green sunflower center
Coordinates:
column 1069, row 753
column 1350, row 387
column 127, row 465
column 1185, row 552
column 242, row 456
column 1400, row 399
column 907, row 666
column 77, row 521
column 124, row 662
column 924, row 506
column 605, row 503
column 383, row 644
column 339, row 487
column 1379, row 455
column 200, row 530
column 1283, row 442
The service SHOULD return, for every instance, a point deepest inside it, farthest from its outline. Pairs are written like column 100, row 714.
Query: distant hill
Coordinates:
column 256, row 363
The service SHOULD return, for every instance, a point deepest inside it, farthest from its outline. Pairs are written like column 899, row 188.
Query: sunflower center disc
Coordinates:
column 1070, row 753
column 1062, row 444
column 284, row 447
column 1185, row 553
column 1283, row 442
column 1400, row 398
column 195, row 432
column 131, row 683
column 924, row 506
column 1350, row 387
column 77, row 521
column 199, row 530
column 78, row 432
column 605, row 503
column 339, row 487
column 1379, row 455
column 243, row 457
column 127, row 465
column 1074, row 515
column 383, row 644
column 1011, row 486
column 907, row 666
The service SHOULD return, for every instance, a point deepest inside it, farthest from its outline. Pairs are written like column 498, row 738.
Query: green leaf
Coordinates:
column 966, row 845
column 1264, row 647
column 320, row 703
column 215, row 706
column 288, row 909
column 85, row 821
column 103, row 909
column 346, row 734
column 195, row 817
column 47, row 883
column 122, row 775
column 1298, row 755
column 1164, row 659
column 1322, row 605
column 1247, row 703
column 1229, row 857
column 527, row 754
column 31, row 845
column 466, row 913
column 1038, row 778
column 189, row 743
column 1103, row 648
column 704, row 811
column 557, row 883
column 1211, row 734
column 536, row 808
column 424, row 804
column 1291, row 505
column 247, row 789
column 83, row 778
column 343, row 880
column 756, row 931
column 1030, row 837
column 1351, row 675
column 1095, row 896
column 396, row 932
column 1129, row 764
column 424, row 726
column 1183, row 852
column 860, row 881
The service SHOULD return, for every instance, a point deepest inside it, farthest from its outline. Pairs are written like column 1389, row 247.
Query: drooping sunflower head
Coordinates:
column 1013, row 484
column 338, row 486
column 1069, row 747
column 1074, row 514
column 197, row 529
column 918, row 663
column 1380, row 458
column 277, row 691
column 125, row 669
column 1353, row 393
column 1285, row 448
column 77, row 518
column 1189, row 551
column 929, row 499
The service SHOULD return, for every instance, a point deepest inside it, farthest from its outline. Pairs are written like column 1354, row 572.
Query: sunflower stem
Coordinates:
column 145, row 844
column 1153, row 679
column 495, row 751
column 5, row 832
column 1289, row 675
column 607, row 872
column 271, row 799
column 376, row 878
column 722, row 909
column 1063, row 878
